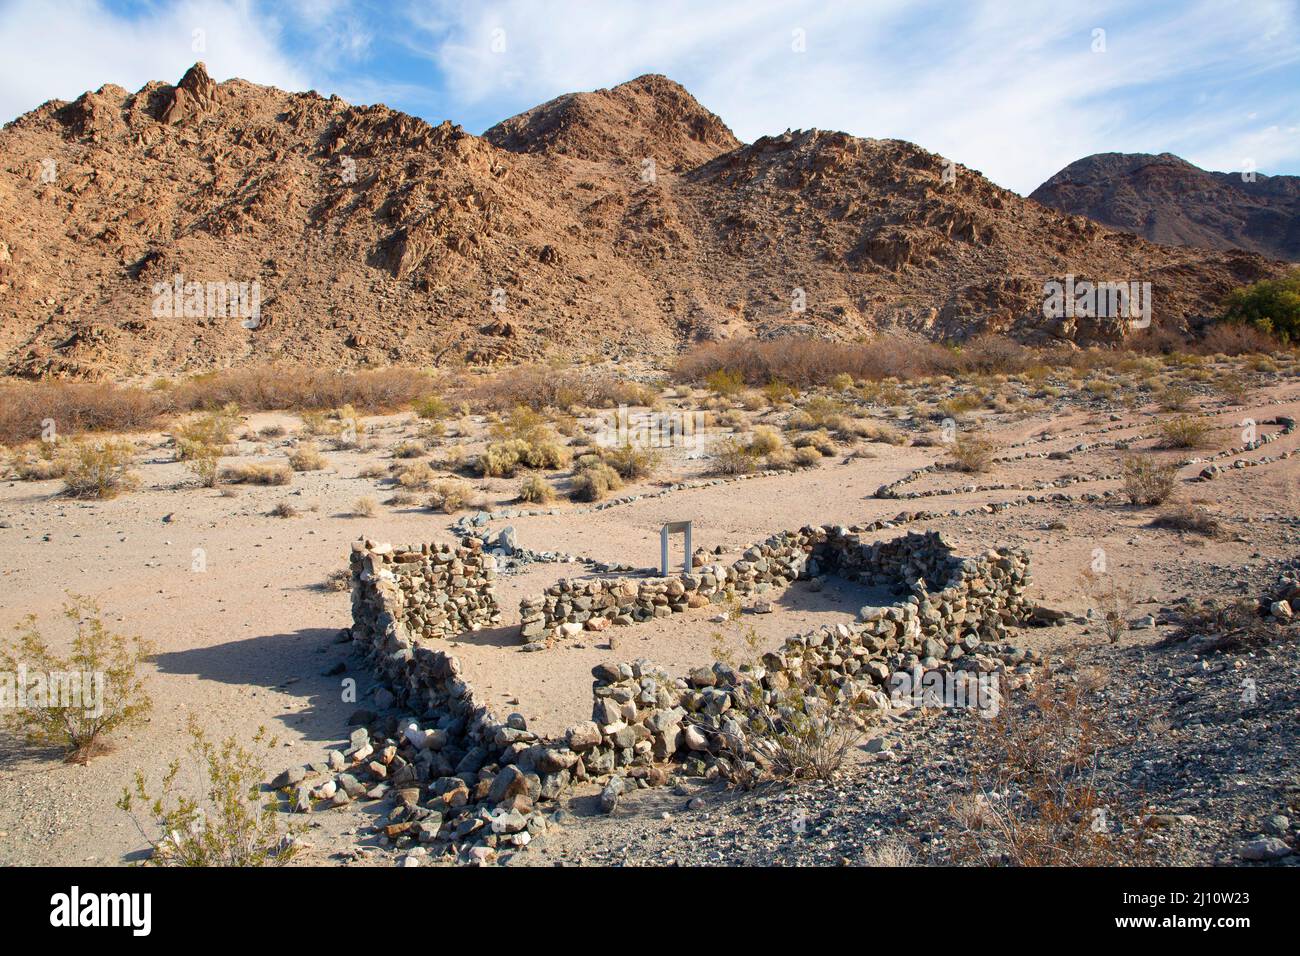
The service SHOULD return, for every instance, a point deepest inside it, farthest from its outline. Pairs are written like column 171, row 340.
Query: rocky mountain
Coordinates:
column 1168, row 200
column 203, row 225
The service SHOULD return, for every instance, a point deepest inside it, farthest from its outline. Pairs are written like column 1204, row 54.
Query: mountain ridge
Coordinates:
column 377, row 238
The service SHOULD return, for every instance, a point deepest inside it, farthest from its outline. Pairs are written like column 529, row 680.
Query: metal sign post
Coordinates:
column 674, row 527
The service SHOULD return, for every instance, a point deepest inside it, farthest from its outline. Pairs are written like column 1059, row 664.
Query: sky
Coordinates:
column 1016, row 89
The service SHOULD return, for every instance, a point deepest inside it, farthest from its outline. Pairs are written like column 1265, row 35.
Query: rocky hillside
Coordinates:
column 1166, row 199
column 370, row 237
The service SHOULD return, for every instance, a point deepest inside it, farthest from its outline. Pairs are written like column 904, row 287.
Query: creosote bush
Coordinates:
column 1148, row 482
column 972, row 453
column 63, row 710
column 1185, row 431
column 593, row 480
column 99, row 469
column 229, row 822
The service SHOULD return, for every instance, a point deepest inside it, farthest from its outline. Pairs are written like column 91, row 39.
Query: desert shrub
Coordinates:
column 283, row 509
column 99, row 469
column 819, row 440
column 451, row 495
column 60, row 714
column 1174, row 398
column 632, row 462
column 782, row 459
column 972, row 453
column 752, row 401
column 541, row 386
column 307, row 457
column 431, row 406
column 1235, row 388
column 724, row 382
column 764, row 440
column 1271, row 307
column 229, row 822
column 271, row 431
column 340, row 579
column 841, row 381
column 731, row 456
column 1185, row 431
column 47, row 461
column 1035, row 799
column 594, row 481
column 416, row 476
column 502, row 459
column 807, row 457
column 214, row 427
column 819, row 412
column 804, row 362
column 1111, row 598
column 536, row 490
column 203, row 462
column 94, row 407
column 779, row 393
column 1185, row 516
column 1231, row 625
column 1147, row 481
column 408, row 449
column 365, row 507
column 373, row 471
column 255, row 473
column 957, row 406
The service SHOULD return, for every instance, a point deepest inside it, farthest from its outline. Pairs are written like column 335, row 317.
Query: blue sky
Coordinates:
column 1014, row 89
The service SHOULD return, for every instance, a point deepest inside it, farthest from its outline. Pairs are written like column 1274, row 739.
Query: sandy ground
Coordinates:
column 231, row 595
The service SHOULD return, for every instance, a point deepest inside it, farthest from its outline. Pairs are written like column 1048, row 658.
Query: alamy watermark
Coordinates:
column 961, row 689
column 670, row 429
column 179, row 299
column 1073, row 298
column 53, row 690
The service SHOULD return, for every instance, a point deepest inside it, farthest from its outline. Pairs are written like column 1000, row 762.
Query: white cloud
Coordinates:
column 58, row 49
column 1014, row 90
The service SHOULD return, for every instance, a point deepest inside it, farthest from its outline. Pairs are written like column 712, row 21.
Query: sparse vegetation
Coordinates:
column 972, row 453
column 257, row 473
column 1147, row 481
column 1185, row 431
column 1034, row 799
column 451, row 495
column 536, row 490
column 99, row 469
column 228, row 823
column 64, row 710
column 307, row 457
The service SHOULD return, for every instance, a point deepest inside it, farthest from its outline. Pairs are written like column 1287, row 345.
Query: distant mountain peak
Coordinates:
column 1164, row 198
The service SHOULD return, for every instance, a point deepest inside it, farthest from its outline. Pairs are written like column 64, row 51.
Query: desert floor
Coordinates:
column 233, row 597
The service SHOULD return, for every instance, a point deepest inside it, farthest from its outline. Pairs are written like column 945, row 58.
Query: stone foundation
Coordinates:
column 471, row 778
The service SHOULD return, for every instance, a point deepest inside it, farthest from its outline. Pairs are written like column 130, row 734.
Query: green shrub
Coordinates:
column 228, row 823
column 252, row 473
column 1271, row 306
column 66, row 719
